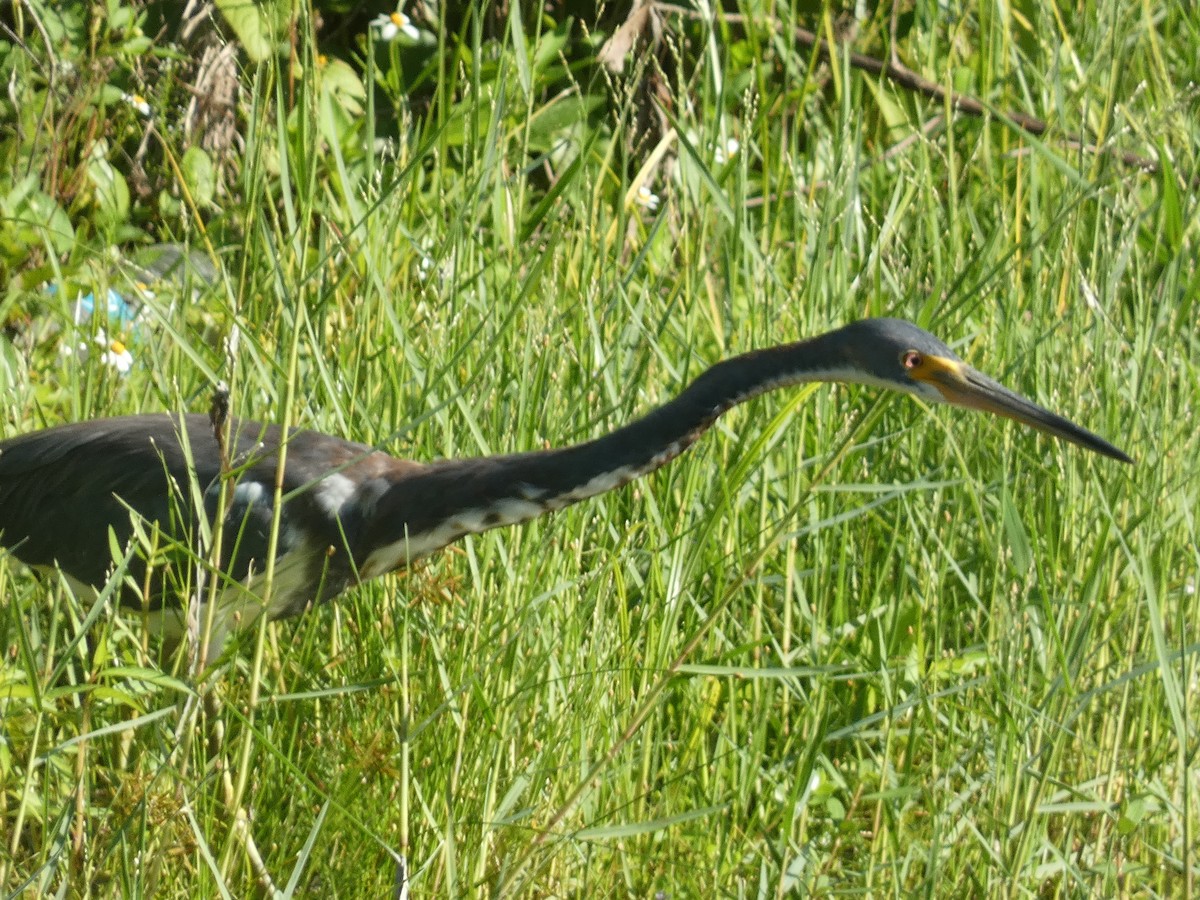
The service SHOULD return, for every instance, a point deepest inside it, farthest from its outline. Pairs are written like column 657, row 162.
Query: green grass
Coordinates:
column 848, row 644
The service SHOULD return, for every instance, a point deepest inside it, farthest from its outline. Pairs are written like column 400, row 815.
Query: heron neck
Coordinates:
column 446, row 500
column 656, row 438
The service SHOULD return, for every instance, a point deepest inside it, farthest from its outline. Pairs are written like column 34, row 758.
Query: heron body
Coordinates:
column 350, row 513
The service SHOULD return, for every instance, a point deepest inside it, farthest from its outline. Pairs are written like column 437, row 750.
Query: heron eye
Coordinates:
column 911, row 359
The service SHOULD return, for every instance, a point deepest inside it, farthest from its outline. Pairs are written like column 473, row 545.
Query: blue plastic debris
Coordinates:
column 120, row 311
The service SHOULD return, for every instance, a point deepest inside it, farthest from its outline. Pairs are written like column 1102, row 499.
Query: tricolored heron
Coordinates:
column 351, row 513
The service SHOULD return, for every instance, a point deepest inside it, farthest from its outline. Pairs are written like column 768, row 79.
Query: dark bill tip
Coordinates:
column 980, row 392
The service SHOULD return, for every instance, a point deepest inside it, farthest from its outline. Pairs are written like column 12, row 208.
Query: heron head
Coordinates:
column 899, row 355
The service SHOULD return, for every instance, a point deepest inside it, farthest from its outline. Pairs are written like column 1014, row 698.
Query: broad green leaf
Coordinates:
column 254, row 23
column 200, row 174
column 111, row 192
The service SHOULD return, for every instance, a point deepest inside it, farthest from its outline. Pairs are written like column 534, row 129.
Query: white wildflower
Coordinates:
column 113, row 353
column 392, row 25
column 729, row 151
column 118, row 356
column 138, row 102
column 646, row 199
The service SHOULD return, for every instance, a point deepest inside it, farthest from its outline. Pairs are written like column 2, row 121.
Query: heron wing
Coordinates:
column 63, row 489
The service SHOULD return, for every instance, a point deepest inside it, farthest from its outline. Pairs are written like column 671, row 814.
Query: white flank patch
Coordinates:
column 334, row 492
column 248, row 492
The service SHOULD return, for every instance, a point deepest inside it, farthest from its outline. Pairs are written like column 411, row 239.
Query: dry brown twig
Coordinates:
column 900, row 74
